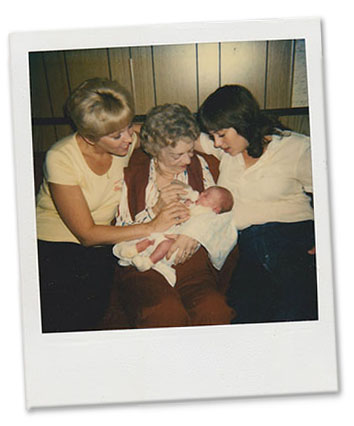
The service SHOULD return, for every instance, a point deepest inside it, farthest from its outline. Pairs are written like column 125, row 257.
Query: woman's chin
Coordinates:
column 121, row 152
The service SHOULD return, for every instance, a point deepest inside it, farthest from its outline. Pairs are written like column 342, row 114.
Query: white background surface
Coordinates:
column 337, row 40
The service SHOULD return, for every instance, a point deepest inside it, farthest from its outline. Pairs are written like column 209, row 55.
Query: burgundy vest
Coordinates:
column 136, row 176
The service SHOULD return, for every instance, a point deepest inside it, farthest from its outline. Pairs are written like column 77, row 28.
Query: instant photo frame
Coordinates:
column 164, row 364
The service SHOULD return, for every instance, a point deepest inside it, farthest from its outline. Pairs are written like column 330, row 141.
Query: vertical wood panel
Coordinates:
column 43, row 138
column 54, row 74
column 244, row 63
column 119, row 59
column 40, row 102
column 299, row 91
column 175, row 73
column 298, row 123
column 63, row 130
column 57, row 81
column 279, row 73
column 85, row 64
column 143, row 89
column 208, row 69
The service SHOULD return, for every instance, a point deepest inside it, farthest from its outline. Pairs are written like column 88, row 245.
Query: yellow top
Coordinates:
column 66, row 165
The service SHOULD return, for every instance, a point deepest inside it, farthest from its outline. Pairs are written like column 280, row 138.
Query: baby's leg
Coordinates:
column 144, row 244
column 129, row 250
column 161, row 250
column 144, row 263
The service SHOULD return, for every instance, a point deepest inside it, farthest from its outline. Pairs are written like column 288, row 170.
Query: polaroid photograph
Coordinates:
column 173, row 218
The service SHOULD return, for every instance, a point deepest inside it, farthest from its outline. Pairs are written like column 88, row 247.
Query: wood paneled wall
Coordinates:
column 275, row 72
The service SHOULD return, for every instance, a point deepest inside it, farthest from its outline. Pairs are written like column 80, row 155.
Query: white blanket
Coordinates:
column 215, row 232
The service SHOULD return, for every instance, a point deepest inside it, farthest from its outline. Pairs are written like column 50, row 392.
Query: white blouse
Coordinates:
column 273, row 189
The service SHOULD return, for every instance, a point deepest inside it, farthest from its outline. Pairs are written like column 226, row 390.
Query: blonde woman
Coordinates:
column 77, row 202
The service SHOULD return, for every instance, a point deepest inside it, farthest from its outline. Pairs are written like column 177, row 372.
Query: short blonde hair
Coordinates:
column 99, row 107
column 165, row 125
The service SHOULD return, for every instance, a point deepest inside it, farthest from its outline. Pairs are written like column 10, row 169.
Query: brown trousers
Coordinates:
column 149, row 301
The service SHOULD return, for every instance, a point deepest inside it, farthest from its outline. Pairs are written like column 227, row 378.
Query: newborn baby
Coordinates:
column 214, row 199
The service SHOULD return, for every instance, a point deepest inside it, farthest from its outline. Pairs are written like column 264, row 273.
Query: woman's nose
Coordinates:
column 186, row 159
column 217, row 141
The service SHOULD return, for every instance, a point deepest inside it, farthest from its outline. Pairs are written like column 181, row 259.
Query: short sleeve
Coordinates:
column 208, row 146
column 304, row 166
column 59, row 168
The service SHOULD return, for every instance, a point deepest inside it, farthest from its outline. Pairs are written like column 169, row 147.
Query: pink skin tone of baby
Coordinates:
column 144, row 244
column 209, row 198
column 159, row 252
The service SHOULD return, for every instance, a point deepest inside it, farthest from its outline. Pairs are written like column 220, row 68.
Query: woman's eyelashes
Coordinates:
column 212, row 136
column 220, row 135
column 129, row 129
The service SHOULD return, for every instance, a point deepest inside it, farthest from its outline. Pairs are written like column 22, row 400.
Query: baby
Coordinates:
column 204, row 208
column 215, row 198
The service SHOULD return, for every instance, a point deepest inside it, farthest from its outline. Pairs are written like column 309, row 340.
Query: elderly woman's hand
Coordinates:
column 185, row 246
column 169, row 194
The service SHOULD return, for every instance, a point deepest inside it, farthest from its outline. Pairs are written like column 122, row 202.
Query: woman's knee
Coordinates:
column 212, row 309
column 170, row 312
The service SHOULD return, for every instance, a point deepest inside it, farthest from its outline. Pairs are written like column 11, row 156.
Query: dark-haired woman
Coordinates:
column 268, row 170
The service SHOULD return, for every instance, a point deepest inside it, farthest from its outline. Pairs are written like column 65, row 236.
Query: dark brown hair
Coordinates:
column 235, row 106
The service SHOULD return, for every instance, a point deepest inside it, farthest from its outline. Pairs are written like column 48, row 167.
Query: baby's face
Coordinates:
column 209, row 198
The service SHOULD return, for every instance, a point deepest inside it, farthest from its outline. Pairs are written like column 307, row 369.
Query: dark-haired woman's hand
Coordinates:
column 312, row 251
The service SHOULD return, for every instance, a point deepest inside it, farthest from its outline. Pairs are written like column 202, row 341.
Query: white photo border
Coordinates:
column 121, row 366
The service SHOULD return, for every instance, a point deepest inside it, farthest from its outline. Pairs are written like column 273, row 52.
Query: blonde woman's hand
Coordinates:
column 185, row 246
column 173, row 214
